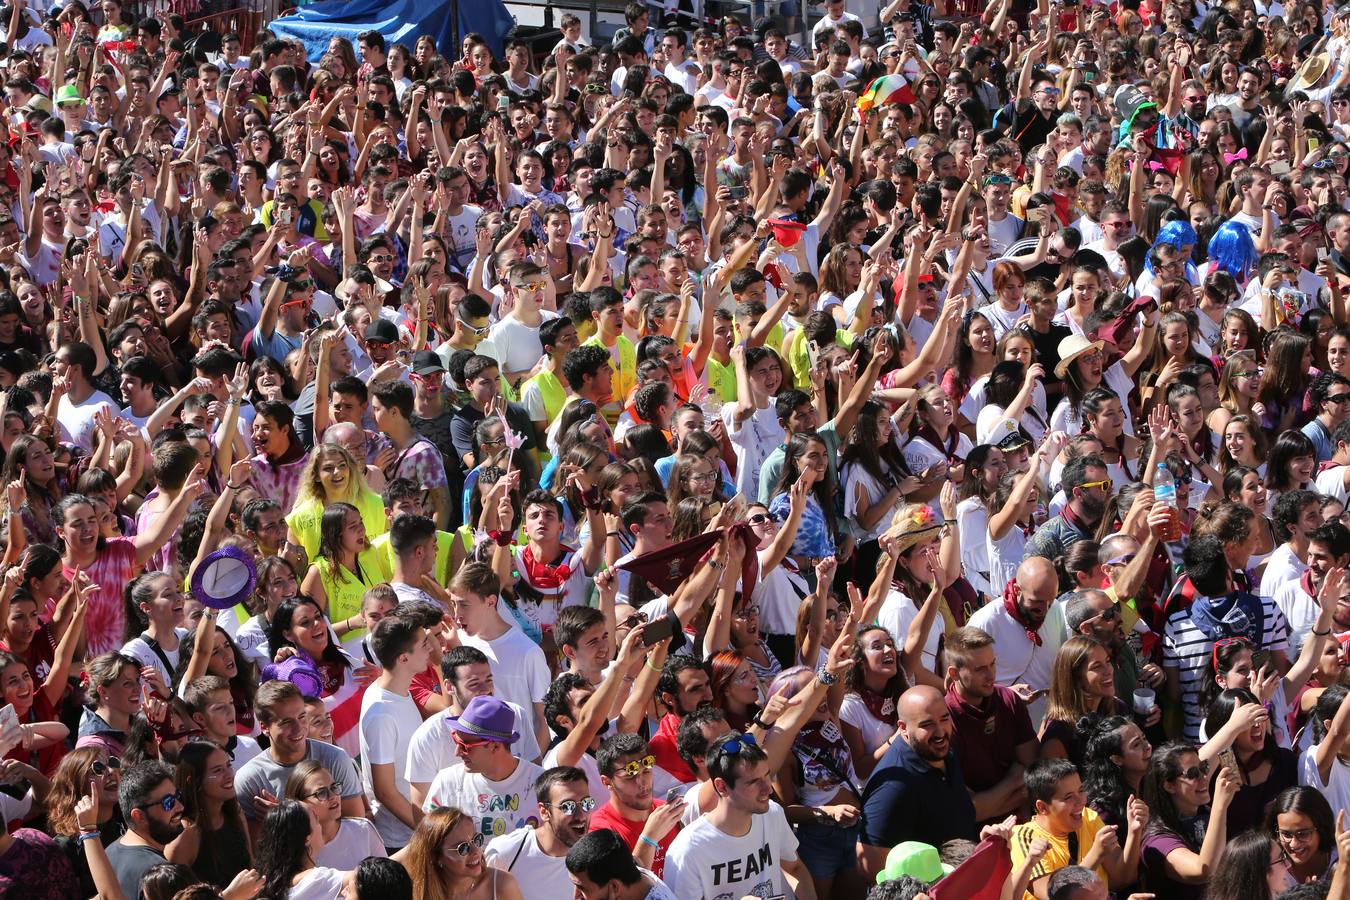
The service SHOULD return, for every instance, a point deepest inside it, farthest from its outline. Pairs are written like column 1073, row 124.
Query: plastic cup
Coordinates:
column 1144, row 700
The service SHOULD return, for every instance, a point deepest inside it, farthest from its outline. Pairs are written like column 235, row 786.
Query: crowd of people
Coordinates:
column 694, row 466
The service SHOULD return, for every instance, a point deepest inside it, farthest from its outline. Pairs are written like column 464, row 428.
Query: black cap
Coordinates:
column 382, row 330
column 427, row 362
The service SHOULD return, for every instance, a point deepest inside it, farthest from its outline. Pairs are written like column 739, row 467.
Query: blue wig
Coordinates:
column 1176, row 233
column 1232, row 250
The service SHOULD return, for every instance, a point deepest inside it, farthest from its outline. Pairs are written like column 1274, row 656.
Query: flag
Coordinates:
column 1170, row 159
column 667, row 569
column 886, row 89
column 980, row 877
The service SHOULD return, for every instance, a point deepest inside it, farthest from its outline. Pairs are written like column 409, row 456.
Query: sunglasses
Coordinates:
column 570, row 807
column 464, row 848
column 1110, row 614
column 633, row 621
column 166, row 803
column 1195, row 773
column 101, row 768
column 1339, row 398
column 1105, row 485
column 477, row 331
column 765, row 519
column 529, row 286
column 747, row 612
column 637, row 766
column 469, row 745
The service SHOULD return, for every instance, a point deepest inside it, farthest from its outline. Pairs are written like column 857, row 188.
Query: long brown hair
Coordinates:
column 69, row 784
column 1067, row 700
column 424, row 850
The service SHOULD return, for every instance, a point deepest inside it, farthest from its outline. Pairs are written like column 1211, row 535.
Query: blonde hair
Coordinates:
column 311, row 485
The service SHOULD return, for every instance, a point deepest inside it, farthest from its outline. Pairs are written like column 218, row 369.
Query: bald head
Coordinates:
column 926, row 724
column 1038, row 585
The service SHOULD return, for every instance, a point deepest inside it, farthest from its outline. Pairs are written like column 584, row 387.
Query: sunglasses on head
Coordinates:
column 734, row 746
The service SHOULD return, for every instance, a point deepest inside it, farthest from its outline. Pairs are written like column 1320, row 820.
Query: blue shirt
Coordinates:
column 813, row 539
column 1321, row 440
column 906, row 799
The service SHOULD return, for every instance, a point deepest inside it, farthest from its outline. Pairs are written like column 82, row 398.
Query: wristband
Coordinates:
column 647, row 840
column 88, row 835
column 655, row 669
column 1321, row 633
column 756, row 720
column 825, row 677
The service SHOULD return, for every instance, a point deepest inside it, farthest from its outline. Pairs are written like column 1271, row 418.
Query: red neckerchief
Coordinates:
column 929, row 434
column 1072, row 518
column 543, row 575
column 1305, row 581
column 882, row 708
column 1010, row 595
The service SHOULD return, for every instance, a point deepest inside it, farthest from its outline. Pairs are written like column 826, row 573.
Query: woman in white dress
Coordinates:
column 346, row 840
column 985, row 466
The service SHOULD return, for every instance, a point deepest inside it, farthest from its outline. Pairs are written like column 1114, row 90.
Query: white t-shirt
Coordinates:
column 1283, row 566
column 705, row 862
column 897, row 613
column 432, row 749
column 1337, row 790
column 514, row 344
column 857, row 480
column 140, row 648
column 496, row 807
column 754, row 439
column 537, row 874
column 1018, row 659
column 388, row 721
column 319, row 884
column 519, row 671
column 77, row 419
column 873, row 730
column 356, row 840
column 972, row 521
column 1331, row 483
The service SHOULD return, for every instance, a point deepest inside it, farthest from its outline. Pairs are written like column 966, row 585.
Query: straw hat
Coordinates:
column 1308, row 74
column 1072, row 347
column 911, row 523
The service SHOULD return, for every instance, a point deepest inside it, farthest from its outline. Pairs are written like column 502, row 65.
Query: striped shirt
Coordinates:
column 1186, row 648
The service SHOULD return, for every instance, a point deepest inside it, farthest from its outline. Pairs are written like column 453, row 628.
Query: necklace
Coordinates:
column 460, row 895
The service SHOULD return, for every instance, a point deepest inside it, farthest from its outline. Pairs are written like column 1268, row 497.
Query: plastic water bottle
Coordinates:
column 1165, row 495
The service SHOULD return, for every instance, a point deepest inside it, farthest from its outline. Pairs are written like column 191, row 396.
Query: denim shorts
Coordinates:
column 827, row 850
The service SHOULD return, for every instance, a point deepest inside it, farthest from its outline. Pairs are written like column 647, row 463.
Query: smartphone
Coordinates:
column 1313, row 144
column 503, row 102
column 284, row 217
column 137, row 272
column 656, row 632
column 1279, row 168
column 675, row 795
column 1228, row 759
column 1260, row 658
column 1322, row 253
column 738, row 193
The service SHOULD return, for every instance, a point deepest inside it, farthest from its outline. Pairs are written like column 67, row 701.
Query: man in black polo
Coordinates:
column 917, row 792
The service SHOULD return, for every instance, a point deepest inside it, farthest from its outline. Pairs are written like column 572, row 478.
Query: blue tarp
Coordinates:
column 400, row 21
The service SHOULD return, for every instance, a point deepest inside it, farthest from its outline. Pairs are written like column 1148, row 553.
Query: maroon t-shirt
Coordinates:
column 987, row 736
column 609, row 817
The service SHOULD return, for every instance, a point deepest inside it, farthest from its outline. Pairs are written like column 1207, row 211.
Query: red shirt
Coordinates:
column 609, row 817
column 425, row 685
column 41, row 653
column 666, row 751
column 987, row 736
